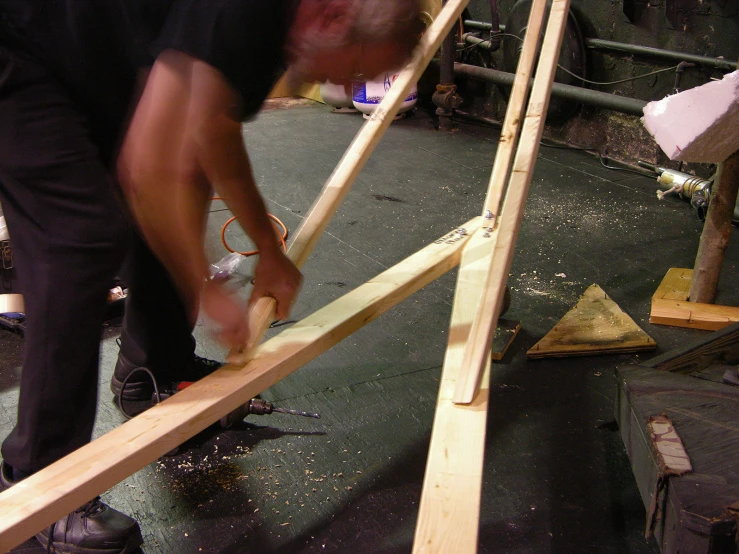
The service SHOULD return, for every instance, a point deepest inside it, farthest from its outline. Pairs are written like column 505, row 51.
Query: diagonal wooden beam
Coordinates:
column 493, row 284
column 53, row 492
column 448, row 519
column 448, row 514
column 514, row 112
column 348, row 168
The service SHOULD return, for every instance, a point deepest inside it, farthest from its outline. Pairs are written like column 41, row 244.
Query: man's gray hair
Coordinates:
column 371, row 21
column 381, row 20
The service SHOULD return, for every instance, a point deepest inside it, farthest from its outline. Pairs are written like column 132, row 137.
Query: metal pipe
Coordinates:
column 477, row 41
column 648, row 51
column 717, row 63
column 583, row 95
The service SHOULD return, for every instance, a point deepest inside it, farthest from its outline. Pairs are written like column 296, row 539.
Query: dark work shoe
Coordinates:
column 139, row 381
column 94, row 528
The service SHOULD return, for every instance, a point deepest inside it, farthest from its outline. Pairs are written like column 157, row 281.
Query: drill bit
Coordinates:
column 295, row 412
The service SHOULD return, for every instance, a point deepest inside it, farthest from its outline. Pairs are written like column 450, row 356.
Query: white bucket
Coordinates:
column 337, row 97
column 367, row 96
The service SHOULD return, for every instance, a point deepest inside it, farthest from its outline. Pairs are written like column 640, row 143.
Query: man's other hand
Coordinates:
column 277, row 277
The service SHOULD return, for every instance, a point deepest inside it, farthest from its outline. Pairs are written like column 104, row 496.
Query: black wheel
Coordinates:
column 572, row 56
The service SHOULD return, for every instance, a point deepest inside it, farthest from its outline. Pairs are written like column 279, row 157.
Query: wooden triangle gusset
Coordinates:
column 596, row 325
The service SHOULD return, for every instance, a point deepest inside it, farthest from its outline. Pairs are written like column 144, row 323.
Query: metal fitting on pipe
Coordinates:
column 446, row 97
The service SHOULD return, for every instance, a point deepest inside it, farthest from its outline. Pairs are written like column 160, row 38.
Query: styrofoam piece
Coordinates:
column 697, row 125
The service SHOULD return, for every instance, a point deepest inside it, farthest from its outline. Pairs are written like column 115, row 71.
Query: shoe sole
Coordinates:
column 137, row 391
column 131, row 547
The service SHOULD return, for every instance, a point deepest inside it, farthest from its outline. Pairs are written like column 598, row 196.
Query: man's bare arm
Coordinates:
column 186, row 134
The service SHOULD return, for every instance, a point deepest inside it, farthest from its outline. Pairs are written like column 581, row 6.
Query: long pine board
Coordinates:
column 493, row 282
column 670, row 305
column 53, row 492
column 448, row 516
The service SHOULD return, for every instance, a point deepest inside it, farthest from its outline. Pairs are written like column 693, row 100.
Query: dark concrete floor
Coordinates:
column 556, row 476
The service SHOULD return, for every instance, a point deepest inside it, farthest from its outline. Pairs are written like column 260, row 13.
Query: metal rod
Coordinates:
column 648, row 51
column 586, row 96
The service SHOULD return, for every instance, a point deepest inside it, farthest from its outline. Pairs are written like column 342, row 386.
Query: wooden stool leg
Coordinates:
column 716, row 232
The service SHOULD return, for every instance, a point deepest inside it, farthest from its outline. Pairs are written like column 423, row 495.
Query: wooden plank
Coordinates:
column 450, row 500
column 675, row 285
column 692, row 315
column 719, row 347
column 53, row 492
column 505, row 332
column 351, row 163
column 595, row 325
column 494, row 282
column 514, row 112
column 670, row 305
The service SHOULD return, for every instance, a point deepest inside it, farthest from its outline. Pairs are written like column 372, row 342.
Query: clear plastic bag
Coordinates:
column 226, row 266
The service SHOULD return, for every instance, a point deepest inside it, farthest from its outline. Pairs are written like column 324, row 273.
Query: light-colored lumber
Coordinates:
column 670, row 305
column 505, row 333
column 514, row 111
column 53, row 492
column 595, row 325
column 675, row 285
column 11, row 303
column 692, row 315
column 494, row 281
column 449, row 511
column 351, row 164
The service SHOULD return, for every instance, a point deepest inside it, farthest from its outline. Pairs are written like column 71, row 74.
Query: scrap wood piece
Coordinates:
column 348, row 168
column 596, row 325
column 53, row 492
column 494, row 281
column 672, row 459
column 448, row 515
column 670, row 305
column 11, row 303
column 505, row 332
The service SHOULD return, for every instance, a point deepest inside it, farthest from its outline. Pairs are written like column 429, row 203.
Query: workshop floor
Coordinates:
column 556, row 476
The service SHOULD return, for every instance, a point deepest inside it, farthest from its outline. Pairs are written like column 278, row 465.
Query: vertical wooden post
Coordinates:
column 716, row 232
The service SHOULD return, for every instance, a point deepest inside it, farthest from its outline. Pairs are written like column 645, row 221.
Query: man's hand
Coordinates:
column 227, row 312
column 277, row 277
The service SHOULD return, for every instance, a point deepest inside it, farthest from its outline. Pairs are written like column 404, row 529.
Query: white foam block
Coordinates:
column 697, row 125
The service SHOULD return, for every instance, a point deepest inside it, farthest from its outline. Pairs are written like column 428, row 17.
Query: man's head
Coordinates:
column 352, row 40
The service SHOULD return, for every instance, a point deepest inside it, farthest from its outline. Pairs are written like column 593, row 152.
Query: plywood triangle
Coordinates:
column 596, row 325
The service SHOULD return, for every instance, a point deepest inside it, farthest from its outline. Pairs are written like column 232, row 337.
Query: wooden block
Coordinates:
column 675, row 285
column 596, row 325
column 670, row 305
column 11, row 303
column 505, row 332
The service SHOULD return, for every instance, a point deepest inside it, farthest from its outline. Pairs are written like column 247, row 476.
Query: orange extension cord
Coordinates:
column 280, row 230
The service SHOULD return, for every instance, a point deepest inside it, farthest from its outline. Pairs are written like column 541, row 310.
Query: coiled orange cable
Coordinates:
column 280, row 230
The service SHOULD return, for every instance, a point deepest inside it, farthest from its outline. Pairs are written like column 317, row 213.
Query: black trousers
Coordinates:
column 70, row 235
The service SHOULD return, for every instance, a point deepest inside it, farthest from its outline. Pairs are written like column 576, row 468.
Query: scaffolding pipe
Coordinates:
column 585, row 96
column 647, row 51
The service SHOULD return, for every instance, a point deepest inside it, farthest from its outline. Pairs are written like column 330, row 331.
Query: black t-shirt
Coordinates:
column 96, row 47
